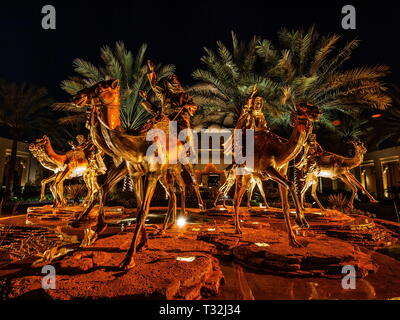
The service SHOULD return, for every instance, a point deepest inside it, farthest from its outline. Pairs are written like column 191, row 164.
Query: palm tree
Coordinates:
column 347, row 128
column 302, row 67
column 386, row 125
column 129, row 69
column 23, row 108
column 229, row 77
column 310, row 68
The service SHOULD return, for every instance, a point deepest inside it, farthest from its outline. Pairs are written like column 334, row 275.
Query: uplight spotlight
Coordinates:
column 181, row 222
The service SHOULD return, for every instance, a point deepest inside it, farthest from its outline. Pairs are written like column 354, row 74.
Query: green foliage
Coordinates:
column 229, row 77
column 129, row 69
column 387, row 128
column 301, row 66
column 24, row 108
column 310, row 68
column 338, row 201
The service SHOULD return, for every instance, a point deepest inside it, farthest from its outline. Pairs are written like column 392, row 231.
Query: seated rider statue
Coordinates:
column 94, row 155
column 312, row 150
column 252, row 114
column 175, row 103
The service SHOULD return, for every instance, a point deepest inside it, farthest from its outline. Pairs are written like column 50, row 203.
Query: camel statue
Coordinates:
column 178, row 106
column 317, row 162
column 89, row 97
column 251, row 117
column 271, row 159
column 103, row 100
column 81, row 162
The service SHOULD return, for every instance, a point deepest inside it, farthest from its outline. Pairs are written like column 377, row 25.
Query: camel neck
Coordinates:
column 53, row 155
column 355, row 160
column 297, row 138
column 110, row 114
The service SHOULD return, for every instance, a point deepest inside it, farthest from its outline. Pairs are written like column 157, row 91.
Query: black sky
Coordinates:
column 175, row 32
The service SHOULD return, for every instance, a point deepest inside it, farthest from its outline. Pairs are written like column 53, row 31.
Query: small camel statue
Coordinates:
column 317, row 162
column 81, row 162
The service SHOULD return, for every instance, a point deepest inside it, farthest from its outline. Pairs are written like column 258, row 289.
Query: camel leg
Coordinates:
column 53, row 190
column 314, row 193
column 96, row 190
column 58, row 187
column 240, row 189
column 353, row 179
column 224, row 189
column 167, row 216
column 137, row 184
column 114, row 175
column 164, row 182
column 190, row 170
column 44, row 182
column 300, row 218
column 87, row 179
column 250, row 190
column 171, row 190
column 303, row 192
column 285, row 208
column 284, row 186
column 136, row 173
column 217, row 197
column 261, row 188
column 101, row 224
column 347, row 181
column 150, row 184
column 182, row 186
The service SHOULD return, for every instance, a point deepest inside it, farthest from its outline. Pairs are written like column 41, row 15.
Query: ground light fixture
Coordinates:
column 181, row 222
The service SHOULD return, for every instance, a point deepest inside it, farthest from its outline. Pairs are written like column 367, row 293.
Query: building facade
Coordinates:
column 28, row 169
column 380, row 172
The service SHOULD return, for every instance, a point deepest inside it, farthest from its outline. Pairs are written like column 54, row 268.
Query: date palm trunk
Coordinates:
column 11, row 167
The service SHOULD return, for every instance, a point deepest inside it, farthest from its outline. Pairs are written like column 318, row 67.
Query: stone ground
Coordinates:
column 260, row 264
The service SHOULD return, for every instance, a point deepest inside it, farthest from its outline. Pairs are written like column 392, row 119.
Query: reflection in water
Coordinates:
column 393, row 252
column 243, row 283
column 245, row 290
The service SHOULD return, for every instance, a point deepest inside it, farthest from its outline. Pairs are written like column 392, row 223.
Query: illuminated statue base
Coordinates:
column 174, row 268
column 49, row 215
column 182, row 262
column 266, row 249
column 220, row 211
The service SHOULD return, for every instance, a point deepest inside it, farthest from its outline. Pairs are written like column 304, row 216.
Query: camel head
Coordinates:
column 33, row 148
column 307, row 112
column 106, row 94
column 37, row 148
column 104, row 91
column 107, row 91
column 39, row 143
column 359, row 146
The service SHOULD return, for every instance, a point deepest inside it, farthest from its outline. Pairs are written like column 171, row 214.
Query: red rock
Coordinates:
column 157, row 273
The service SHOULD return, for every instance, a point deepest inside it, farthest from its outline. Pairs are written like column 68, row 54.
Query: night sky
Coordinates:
column 175, row 32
